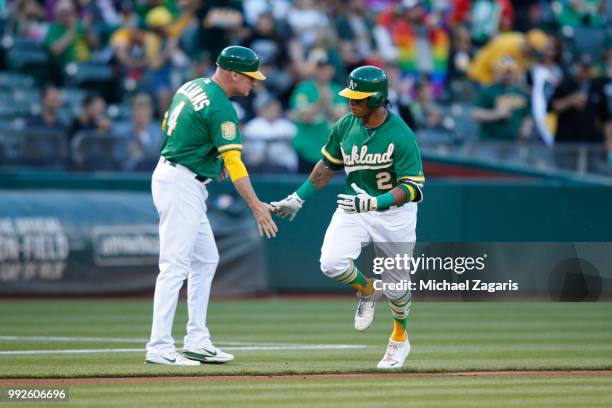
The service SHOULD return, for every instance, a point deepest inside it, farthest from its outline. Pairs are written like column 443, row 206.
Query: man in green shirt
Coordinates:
column 503, row 108
column 202, row 137
column 67, row 39
column 315, row 106
column 380, row 156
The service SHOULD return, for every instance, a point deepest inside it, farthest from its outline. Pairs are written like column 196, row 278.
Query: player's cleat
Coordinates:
column 364, row 315
column 175, row 359
column 396, row 355
column 209, row 354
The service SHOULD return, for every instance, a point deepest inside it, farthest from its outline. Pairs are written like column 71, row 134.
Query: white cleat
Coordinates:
column 174, row 359
column 396, row 355
column 208, row 354
column 364, row 315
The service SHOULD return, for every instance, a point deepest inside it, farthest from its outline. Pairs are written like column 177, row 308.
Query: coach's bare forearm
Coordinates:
column 321, row 174
column 245, row 189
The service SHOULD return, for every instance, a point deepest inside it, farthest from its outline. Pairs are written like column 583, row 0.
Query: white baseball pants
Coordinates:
column 393, row 232
column 187, row 251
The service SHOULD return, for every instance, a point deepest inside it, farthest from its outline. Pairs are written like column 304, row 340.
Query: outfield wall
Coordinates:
column 535, row 210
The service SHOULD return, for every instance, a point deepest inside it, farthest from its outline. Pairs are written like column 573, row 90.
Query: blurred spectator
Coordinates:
column 104, row 15
column 220, row 22
column 305, row 18
column 144, row 134
column 580, row 13
column 28, row 19
column 486, row 18
column 48, row 118
column 132, row 48
column 160, row 54
column 355, row 27
column 461, row 54
column 581, row 105
column 315, row 106
column 424, row 112
column 503, row 107
column 545, row 76
column 422, row 45
column 523, row 48
column 93, row 116
column 68, row 39
column 272, row 51
column 268, row 137
column 253, row 9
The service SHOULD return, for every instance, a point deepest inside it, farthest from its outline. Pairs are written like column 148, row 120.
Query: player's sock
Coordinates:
column 355, row 278
column 400, row 309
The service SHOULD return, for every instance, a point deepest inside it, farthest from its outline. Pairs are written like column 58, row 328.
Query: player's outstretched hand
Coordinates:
column 263, row 215
column 361, row 202
column 288, row 207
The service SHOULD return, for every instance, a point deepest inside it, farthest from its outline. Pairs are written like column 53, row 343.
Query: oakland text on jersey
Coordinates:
column 361, row 156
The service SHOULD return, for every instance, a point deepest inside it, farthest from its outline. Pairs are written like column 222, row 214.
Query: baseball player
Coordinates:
column 380, row 156
column 201, row 128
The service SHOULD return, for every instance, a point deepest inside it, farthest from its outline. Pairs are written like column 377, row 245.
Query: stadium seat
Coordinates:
column 93, row 151
column 13, row 80
column 37, row 146
column 92, row 76
column 27, row 57
column 588, row 40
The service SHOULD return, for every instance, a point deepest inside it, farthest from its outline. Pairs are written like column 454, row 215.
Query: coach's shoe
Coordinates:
column 208, row 354
column 396, row 355
column 175, row 359
column 364, row 315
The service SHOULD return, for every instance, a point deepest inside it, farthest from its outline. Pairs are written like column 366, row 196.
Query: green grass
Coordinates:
column 375, row 392
column 445, row 336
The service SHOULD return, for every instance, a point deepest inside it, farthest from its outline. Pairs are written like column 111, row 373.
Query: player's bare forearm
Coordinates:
column 245, row 189
column 321, row 175
column 399, row 195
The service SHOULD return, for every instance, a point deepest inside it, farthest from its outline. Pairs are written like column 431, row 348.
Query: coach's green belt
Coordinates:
column 172, row 163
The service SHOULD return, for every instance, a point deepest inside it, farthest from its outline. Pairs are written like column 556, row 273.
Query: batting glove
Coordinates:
column 288, row 207
column 362, row 202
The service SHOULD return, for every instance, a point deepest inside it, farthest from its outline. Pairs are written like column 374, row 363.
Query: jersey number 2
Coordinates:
column 174, row 117
column 382, row 181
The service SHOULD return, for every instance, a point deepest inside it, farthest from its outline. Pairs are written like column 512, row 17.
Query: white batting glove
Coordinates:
column 288, row 207
column 362, row 202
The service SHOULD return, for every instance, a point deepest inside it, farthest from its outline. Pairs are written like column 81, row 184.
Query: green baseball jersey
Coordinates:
column 200, row 124
column 378, row 159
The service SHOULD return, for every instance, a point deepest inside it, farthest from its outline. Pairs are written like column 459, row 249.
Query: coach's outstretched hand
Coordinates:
column 265, row 223
column 288, row 207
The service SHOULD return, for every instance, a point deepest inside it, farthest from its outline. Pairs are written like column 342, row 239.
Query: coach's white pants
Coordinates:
column 393, row 232
column 187, row 251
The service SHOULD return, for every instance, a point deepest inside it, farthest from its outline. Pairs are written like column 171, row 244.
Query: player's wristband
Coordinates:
column 384, row 201
column 306, row 189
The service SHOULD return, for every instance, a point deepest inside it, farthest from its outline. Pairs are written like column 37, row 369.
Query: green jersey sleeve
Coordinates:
column 224, row 130
column 407, row 160
column 332, row 153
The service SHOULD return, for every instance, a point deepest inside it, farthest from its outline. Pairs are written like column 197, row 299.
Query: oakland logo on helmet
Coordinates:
column 352, row 84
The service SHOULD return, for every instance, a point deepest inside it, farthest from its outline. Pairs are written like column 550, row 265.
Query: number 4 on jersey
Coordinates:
column 174, row 117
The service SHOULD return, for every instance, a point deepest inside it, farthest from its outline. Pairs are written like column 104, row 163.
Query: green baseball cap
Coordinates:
column 240, row 59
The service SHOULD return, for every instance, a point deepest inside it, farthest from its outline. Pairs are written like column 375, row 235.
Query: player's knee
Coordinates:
column 333, row 265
